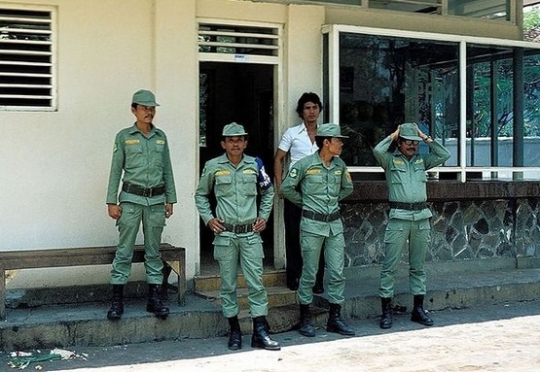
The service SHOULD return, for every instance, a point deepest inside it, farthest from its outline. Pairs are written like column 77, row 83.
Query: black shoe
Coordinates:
column 117, row 306
column 260, row 338
column 116, row 310
column 335, row 322
column 154, row 304
column 235, row 340
column 418, row 315
column 306, row 326
column 387, row 313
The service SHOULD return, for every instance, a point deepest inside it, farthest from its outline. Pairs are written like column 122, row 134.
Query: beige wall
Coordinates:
column 56, row 166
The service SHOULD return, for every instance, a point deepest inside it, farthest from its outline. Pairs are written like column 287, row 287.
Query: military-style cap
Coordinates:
column 409, row 131
column 329, row 130
column 145, row 98
column 233, row 129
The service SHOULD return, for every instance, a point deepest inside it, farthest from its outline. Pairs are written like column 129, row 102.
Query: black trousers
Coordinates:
column 293, row 252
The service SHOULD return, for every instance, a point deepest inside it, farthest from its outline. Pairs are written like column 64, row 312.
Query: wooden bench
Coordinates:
column 174, row 257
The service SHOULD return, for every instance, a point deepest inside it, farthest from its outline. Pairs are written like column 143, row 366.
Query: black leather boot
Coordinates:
column 117, row 305
column 335, row 322
column 418, row 314
column 387, row 313
column 235, row 335
column 306, row 326
column 260, row 338
column 154, row 304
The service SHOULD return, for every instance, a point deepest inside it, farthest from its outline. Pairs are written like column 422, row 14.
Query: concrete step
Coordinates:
column 208, row 283
column 277, row 296
column 85, row 324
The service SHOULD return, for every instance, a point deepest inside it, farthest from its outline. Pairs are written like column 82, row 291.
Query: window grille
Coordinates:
column 26, row 59
column 238, row 39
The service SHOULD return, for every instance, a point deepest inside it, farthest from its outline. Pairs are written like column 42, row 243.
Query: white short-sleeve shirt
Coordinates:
column 296, row 142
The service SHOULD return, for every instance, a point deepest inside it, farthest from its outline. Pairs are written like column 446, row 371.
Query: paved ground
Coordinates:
column 490, row 338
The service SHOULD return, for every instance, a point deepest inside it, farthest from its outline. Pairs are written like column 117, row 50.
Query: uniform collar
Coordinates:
column 153, row 130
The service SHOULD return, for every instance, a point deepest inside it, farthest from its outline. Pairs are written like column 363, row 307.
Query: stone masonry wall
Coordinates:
column 461, row 230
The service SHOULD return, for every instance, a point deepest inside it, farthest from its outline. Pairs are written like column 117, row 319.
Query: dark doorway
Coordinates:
column 242, row 93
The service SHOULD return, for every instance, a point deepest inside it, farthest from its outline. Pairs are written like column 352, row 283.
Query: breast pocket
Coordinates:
column 134, row 156
column 223, row 186
column 249, row 184
column 420, row 173
column 315, row 184
column 398, row 175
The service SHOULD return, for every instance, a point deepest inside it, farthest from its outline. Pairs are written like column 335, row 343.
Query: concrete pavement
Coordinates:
column 500, row 337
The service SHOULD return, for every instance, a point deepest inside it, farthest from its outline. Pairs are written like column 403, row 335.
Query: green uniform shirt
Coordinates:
column 406, row 178
column 236, row 190
column 144, row 161
column 320, row 190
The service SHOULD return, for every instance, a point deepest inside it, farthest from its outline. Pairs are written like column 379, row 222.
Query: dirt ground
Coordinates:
column 501, row 337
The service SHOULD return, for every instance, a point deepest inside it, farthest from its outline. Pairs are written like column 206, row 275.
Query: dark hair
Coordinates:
column 134, row 105
column 319, row 141
column 305, row 98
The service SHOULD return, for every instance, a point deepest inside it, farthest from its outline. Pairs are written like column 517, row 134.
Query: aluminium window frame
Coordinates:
column 333, row 32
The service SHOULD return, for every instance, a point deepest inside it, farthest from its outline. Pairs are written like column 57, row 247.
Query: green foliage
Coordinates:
column 531, row 18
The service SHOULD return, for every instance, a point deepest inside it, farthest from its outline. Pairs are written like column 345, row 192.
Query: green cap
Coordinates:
column 145, row 98
column 409, row 131
column 329, row 130
column 233, row 129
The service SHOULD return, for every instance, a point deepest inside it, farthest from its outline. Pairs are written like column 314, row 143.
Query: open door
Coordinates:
column 242, row 93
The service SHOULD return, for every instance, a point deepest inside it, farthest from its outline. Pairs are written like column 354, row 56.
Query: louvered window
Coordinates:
column 241, row 42
column 26, row 59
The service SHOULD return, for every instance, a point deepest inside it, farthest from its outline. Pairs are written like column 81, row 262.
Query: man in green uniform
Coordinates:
column 409, row 216
column 141, row 155
column 236, row 180
column 317, row 183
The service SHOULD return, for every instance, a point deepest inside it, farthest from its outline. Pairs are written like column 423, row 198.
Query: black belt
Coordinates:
column 321, row 217
column 408, row 206
column 238, row 229
column 143, row 191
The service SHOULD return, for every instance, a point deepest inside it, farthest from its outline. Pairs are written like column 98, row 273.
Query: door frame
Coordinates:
column 278, row 89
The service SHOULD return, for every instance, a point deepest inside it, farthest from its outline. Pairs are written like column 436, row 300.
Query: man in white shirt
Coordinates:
column 296, row 143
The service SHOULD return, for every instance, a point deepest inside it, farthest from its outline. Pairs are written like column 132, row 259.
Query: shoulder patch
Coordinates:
column 293, row 173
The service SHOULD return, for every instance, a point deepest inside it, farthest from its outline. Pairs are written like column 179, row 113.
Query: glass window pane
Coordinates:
column 489, row 106
column 386, row 81
column 491, row 9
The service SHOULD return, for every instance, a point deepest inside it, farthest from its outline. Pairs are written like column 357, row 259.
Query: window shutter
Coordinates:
column 26, row 66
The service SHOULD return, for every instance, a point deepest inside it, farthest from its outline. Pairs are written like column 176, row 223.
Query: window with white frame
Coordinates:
column 26, row 59
column 478, row 97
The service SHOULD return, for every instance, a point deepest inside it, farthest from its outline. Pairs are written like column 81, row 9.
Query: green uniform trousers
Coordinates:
column 398, row 234
column 229, row 250
column 334, row 251
column 153, row 221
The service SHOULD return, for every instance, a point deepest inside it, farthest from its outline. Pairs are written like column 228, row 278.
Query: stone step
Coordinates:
column 209, row 283
column 277, row 296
